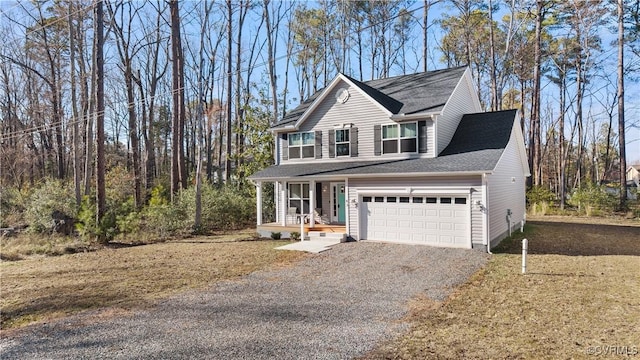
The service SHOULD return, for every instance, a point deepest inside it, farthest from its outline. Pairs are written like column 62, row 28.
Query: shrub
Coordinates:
column 225, row 208
column 593, row 199
column 13, row 203
column 295, row 235
column 53, row 195
column 276, row 235
column 539, row 198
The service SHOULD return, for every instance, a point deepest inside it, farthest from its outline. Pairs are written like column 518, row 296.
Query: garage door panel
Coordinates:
column 440, row 224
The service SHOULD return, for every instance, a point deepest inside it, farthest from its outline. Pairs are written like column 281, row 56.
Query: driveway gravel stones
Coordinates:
column 335, row 305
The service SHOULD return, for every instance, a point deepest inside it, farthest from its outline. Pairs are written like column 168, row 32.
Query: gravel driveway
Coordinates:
column 334, row 305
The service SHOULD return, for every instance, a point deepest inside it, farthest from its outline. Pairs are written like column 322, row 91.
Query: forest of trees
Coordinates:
column 173, row 95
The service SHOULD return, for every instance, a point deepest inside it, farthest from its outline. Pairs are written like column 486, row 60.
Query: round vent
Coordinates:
column 342, row 95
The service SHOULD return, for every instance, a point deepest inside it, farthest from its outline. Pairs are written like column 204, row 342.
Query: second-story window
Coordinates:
column 400, row 138
column 301, row 145
column 342, row 142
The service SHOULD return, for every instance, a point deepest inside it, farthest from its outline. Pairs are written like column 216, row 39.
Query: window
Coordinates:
column 391, row 199
column 417, row 200
column 366, row 199
column 379, row 199
column 302, row 145
column 299, row 197
column 342, row 142
column 404, row 199
column 431, row 200
column 445, row 200
column 401, row 138
column 461, row 200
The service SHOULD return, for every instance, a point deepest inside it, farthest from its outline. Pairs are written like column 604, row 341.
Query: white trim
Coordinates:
column 418, row 116
column 335, row 142
column 399, row 139
column 485, row 213
column 312, row 203
column 394, row 175
column 283, row 203
column 422, row 190
column 347, row 206
column 259, row 203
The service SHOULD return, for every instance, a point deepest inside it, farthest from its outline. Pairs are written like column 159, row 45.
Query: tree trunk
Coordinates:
column 178, row 170
column 621, row 124
column 227, row 166
column 74, row 106
column 100, row 162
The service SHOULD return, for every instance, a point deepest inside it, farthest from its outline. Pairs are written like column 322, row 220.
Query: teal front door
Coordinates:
column 340, row 203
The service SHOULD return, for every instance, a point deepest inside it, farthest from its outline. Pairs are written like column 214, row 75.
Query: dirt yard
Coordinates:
column 580, row 298
column 43, row 288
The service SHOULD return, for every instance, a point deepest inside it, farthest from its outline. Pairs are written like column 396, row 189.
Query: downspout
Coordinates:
column 485, row 210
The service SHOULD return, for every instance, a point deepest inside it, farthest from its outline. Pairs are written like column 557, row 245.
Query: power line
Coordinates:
column 72, row 120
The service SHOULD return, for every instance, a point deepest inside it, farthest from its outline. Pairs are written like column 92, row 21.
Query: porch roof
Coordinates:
column 473, row 162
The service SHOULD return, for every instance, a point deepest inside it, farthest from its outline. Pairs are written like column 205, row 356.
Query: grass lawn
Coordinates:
column 580, row 298
column 42, row 288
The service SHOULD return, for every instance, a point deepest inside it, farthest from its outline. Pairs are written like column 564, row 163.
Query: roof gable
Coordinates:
column 405, row 94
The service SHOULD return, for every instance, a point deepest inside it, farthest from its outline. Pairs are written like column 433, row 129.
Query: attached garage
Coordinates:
column 436, row 220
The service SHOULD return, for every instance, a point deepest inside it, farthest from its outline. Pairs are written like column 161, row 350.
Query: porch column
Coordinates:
column 347, row 207
column 312, row 203
column 259, row 203
column 283, row 203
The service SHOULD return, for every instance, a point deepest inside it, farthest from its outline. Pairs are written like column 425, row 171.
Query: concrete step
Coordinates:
column 326, row 236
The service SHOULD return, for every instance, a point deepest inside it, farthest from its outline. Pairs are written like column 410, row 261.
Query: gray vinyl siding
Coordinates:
column 459, row 103
column 360, row 111
column 474, row 182
column 504, row 193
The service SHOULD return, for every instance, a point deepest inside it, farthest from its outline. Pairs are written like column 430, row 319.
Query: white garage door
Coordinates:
column 441, row 220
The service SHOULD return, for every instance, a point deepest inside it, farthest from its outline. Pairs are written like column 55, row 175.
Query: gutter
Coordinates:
column 400, row 117
column 389, row 175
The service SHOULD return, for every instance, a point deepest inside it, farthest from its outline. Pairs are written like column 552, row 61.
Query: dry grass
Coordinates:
column 582, row 291
column 43, row 288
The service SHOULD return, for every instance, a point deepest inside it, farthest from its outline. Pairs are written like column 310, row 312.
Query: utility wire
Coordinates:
column 72, row 120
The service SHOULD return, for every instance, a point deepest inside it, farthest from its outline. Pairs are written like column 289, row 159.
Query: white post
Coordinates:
column 259, row 203
column 301, row 227
column 525, row 244
column 312, row 203
column 283, row 202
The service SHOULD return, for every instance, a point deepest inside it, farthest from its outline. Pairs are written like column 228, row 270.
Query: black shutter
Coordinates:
column 422, row 136
column 332, row 143
column 318, row 137
column 353, row 137
column 377, row 140
column 284, row 138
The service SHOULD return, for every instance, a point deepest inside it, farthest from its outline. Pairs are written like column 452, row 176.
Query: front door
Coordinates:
column 340, row 205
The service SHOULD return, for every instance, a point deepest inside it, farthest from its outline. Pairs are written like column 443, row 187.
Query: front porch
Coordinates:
column 285, row 231
column 305, row 206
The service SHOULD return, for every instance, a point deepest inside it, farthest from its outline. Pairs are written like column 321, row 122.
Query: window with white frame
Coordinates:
column 342, row 142
column 302, row 145
column 401, row 138
column 299, row 197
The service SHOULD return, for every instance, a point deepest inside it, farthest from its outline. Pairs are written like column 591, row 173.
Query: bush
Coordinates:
column 13, row 203
column 225, row 208
column 295, row 235
column 539, row 199
column 276, row 235
column 593, row 199
column 53, row 195
column 161, row 218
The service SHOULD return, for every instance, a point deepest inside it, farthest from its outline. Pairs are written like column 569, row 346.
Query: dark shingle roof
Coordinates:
column 404, row 94
column 476, row 146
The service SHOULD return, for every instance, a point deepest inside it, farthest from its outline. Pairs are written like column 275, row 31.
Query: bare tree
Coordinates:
column 621, row 125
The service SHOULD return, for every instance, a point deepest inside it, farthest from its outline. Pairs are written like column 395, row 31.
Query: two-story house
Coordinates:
column 408, row 159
